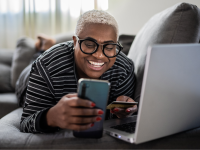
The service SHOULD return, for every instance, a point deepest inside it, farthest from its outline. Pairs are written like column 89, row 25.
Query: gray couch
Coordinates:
column 177, row 24
column 8, row 101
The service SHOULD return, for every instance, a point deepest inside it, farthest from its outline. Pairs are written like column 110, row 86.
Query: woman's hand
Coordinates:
column 122, row 113
column 67, row 113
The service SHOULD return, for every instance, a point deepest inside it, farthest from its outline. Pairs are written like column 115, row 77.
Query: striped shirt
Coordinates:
column 53, row 75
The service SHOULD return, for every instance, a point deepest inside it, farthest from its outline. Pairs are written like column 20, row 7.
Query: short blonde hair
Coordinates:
column 96, row 16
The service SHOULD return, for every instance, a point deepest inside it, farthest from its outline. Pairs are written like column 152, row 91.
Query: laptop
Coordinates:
column 170, row 95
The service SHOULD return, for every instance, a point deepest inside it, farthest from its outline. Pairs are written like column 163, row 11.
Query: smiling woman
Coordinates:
column 87, row 64
column 102, row 33
column 51, row 101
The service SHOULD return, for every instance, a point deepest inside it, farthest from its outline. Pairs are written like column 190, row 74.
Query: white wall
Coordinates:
column 131, row 15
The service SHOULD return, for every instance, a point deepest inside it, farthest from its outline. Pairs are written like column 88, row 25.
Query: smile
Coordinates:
column 96, row 64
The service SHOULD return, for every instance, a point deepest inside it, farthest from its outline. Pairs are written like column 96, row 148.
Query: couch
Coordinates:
column 177, row 24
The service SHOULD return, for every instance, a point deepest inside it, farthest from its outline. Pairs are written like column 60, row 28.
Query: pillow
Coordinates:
column 22, row 57
column 177, row 24
column 126, row 41
column 6, row 56
column 63, row 37
column 5, row 86
column 24, row 54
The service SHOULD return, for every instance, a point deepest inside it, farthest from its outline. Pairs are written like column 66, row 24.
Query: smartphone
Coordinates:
column 96, row 91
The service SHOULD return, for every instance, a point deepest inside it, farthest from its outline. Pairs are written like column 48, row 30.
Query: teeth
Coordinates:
column 96, row 64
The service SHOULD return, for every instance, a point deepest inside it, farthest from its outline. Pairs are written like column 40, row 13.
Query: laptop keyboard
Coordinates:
column 128, row 127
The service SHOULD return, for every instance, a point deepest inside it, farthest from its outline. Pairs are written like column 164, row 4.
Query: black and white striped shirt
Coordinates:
column 53, row 75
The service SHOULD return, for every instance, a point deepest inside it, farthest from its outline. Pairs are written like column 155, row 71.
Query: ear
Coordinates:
column 74, row 39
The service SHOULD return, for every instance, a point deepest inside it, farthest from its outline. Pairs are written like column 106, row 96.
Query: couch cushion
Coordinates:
column 24, row 54
column 6, row 57
column 11, row 137
column 177, row 24
column 22, row 57
column 8, row 103
column 126, row 41
column 63, row 37
column 5, row 85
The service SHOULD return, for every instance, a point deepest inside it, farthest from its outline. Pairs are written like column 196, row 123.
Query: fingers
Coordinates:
column 131, row 109
column 130, row 100
column 77, row 127
column 71, row 95
column 74, row 101
column 128, row 110
column 86, row 112
column 80, row 106
column 124, row 99
column 72, row 112
column 81, row 120
column 82, row 123
column 84, row 120
column 122, row 113
column 117, row 110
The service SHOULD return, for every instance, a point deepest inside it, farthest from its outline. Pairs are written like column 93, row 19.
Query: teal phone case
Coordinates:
column 96, row 91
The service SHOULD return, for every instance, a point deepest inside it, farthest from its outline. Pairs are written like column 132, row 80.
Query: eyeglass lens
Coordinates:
column 89, row 47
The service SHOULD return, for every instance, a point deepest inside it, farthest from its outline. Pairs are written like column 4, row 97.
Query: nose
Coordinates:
column 99, row 53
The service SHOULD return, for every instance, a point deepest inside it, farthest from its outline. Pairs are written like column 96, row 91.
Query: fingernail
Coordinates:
column 92, row 125
column 128, row 110
column 92, row 104
column 98, row 118
column 116, row 110
column 100, row 112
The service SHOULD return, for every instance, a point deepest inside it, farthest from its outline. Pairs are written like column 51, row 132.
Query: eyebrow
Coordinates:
column 96, row 40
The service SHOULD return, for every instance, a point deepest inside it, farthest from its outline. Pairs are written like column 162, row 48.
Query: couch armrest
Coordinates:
column 11, row 137
column 63, row 37
column 6, row 57
column 8, row 103
column 126, row 41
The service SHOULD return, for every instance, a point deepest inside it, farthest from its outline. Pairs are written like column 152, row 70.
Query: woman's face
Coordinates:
column 94, row 65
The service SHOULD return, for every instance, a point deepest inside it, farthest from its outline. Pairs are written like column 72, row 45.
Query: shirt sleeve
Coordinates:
column 38, row 100
column 126, row 84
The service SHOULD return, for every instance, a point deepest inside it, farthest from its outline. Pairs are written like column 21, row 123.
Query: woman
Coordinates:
column 51, row 100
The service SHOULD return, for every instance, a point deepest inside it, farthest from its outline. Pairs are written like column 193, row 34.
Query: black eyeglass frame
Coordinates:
column 104, row 45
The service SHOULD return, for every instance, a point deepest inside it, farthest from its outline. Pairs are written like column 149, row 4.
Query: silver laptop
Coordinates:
column 170, row 96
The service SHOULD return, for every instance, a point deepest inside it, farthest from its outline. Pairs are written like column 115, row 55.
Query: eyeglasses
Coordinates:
column 90, row 46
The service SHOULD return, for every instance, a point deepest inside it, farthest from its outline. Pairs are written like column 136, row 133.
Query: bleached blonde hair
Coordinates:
column 96, row 16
